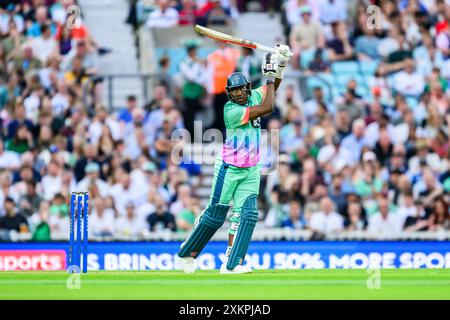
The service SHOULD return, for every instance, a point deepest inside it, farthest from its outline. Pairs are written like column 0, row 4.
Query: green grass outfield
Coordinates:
column 205, row 285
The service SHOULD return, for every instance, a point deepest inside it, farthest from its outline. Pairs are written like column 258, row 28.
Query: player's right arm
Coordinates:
column 269, row 70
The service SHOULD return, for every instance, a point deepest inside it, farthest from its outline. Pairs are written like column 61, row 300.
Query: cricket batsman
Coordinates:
column 237, row 169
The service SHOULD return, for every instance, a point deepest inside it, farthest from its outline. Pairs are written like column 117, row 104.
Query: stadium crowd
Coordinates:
column 371, row 155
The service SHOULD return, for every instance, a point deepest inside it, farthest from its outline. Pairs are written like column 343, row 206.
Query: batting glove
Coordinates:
column 283, row 54
column 269, row 67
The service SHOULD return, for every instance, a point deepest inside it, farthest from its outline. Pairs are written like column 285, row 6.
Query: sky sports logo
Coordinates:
column 26, row 260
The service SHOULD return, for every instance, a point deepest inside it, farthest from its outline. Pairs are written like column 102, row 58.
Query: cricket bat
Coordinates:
column 223, row 37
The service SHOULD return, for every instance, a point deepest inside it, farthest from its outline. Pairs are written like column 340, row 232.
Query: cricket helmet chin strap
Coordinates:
column 236, row 80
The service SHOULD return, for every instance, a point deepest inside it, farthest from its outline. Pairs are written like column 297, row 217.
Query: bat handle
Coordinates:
column 267, row 49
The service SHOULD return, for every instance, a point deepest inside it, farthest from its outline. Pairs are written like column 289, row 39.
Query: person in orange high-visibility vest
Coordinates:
column 221, row 63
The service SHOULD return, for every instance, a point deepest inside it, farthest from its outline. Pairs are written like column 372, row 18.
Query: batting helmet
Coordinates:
column 236, row 80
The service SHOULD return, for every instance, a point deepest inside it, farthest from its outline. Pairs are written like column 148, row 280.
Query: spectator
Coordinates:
column 310, row 107
column 159, row 94
column 310, row 178
column 366, row 45
column 408, row 82
column 186, row 217
column 188, row 14
column 221, row 63
column 440, row 216
column 41, row 18
column 12, row 220
column 88, row 154
column 423, row 155
column 370, row 182
column 26, row 61
column 161, row 218
column 327, row 220
column 332, row 11
column 128, row 226
column 184, row 199
column 164, row 144
column 157, row 117
column 418, row 221
column 19, row 119
column 339, row 47
column 9, row 16
column 294, row 219
column 135, row 140
column 163, row 17
column 428, row 188
column 384, row 222
column 307, row 34
column 44, row 45
column 283, row 177
column 42, row 231
column 193, row 71
column 8, row 159
column 318, row 63
column 30, row 202
column 292, row 8
column 51, row 183
column 352, row 102
column 337, row 192
column 122, row 193
column 276, row 213
column 355, row 220
column 5, row 189
column 125, row 115
column 81, row 58
column 356, row 140
column 59, row 207
column 332, row 154
column 92, row 182
column 101, row 220
column 383, row 148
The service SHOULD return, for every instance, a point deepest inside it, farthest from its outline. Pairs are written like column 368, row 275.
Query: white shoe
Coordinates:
column 187, row 264
column 239, row 269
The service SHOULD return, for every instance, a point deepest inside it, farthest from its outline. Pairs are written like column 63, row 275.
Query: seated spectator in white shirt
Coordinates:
column 8, row 159
column 102, row 118
column 122, row 192
column 163, row 17
column 101, row 220
column 384, row 222
column 327, row 220
column 332, row 154
column 408, row 82
column 51, row 184
column 44, row 45
column 92, row 181
column 128, row 226
column 423, row 155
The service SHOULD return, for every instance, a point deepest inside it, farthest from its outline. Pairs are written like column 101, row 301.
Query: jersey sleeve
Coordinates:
column 235, row 115
column 259, row 94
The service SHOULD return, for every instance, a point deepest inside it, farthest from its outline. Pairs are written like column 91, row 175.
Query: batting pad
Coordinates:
column 211, row 220
column 249, row 217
